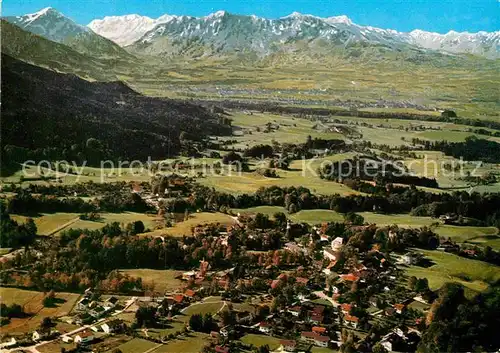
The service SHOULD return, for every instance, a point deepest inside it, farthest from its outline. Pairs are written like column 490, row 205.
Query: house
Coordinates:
column 319, row 330
column 288, row 345
column 178, row 298
column 314, row 338
column 214, row 334
column 84, row 337
column 66, row 339
column 337, row 243
column 351, row 320
column 264, row 327
column 349, row 278
column 321, row 341
column 189, row 293
column 36, row 336
column 224, row 332
column 221, row 349
column 399, row 308
column 448, row 246
column 189, row 275
column 111, row 302
column 83, row 304
column 346, row 308
column 8, row 344
column 97, row 312
column 112, row 326
column 330, row 254
column 294, row 310
column 316, row 318
column 408, row 259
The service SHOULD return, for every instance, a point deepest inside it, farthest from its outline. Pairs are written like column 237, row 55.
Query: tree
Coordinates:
column 46, row 324
column 354, row 219
column 196, row 322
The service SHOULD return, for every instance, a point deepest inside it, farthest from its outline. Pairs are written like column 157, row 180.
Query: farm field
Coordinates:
column 249, row 129
column 473, row 274
column 136, row 345
column 261, row 340
column 249, row 182
column 54, row 223
column 32, row 302
column 482, row 236
column 164, row 280
column 185, row 227
column 191, row 344
column 45, row 176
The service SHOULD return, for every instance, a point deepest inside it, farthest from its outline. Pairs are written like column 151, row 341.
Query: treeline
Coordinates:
column 12, row 233
column 473, row 149
column 114, row 201
column 457, row 324
column 373, row 170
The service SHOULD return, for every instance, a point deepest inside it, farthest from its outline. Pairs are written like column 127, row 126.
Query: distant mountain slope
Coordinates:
column 52, row 115
column 222, row 31
column 53, row 25
column 32, row 48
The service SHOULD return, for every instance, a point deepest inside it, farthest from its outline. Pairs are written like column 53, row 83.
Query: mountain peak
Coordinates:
column 339, row 19
column 218, row 14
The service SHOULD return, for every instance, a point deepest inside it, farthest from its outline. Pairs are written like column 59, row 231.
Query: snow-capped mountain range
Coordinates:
column 224, row 32
column 257, row 33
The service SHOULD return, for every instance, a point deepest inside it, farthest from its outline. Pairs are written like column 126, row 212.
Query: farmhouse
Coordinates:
column 288, row 345
column 84, row 337
column 264, row 327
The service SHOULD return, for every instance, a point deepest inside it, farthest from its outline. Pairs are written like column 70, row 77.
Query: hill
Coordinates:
column 49, row 115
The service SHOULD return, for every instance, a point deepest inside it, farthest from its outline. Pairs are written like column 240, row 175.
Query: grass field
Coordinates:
column 184, row 228
column 54, row 223
column 191, row 344
column 32, row 303
column 136, row 345
column 291, row 129
column 482, row 236
column 473, row 274
column 164, row 280
column 261, row 340
column 250, row 182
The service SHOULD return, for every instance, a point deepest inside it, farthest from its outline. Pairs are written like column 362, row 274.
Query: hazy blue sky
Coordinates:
column 403, row 15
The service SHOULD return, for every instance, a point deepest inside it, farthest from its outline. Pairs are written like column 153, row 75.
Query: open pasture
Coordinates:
column 31, row 301
column 473, row 274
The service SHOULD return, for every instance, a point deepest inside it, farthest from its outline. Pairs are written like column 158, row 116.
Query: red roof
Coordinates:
column 282, row 276
column 309, row 334
column 264, row 324
column 189, row 293
column 295, row 309
column 349, row 277
column 178, row 298
column 399, row 306
column 351, row 318
column 318, row 309
column 288, row 343
column 220, row 349
column 85, row 334
column 321, row 338
column 318, row 329
column 275, row 283
column 302, row 280
column 346, row 307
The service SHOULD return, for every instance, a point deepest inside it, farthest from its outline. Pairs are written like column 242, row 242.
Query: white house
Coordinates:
column 66, row 339
column 36, row 336
column 337, row 243
column 329, row 254
column 264, row 327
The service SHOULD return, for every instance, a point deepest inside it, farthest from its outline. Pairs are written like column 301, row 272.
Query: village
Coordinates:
column 315, row 294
